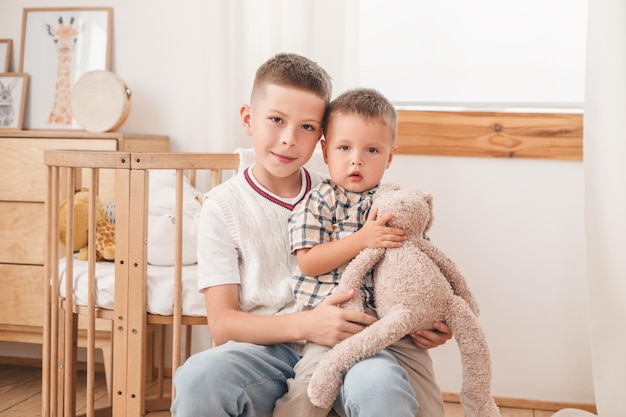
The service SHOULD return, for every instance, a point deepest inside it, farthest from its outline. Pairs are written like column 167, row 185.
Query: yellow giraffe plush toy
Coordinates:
column 105, row 231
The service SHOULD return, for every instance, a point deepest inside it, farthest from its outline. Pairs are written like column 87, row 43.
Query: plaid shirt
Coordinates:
column 328, row 213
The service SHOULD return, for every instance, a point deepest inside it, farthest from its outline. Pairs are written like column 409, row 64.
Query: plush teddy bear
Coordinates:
column 105, row 231
column 414, row 286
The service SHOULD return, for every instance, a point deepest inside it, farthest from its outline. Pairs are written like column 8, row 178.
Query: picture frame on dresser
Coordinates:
column 5, row 54
column 58, row 46
column 13, row 88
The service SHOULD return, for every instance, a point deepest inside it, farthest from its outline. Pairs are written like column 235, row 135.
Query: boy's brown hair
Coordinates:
column 292, row 70
column 367, row 103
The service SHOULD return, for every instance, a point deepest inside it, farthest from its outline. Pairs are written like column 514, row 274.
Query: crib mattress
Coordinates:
column 159, row 293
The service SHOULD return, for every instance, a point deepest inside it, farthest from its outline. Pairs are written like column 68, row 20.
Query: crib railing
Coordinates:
column 67, row 172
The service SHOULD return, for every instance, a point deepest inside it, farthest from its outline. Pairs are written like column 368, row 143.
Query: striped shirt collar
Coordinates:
column 289, row 204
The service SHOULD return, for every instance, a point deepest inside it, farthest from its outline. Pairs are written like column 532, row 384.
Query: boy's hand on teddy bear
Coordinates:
column 376, row 234
column 328, row 324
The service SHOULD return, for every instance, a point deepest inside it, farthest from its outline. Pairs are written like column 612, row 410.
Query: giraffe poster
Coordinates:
column 58, row 46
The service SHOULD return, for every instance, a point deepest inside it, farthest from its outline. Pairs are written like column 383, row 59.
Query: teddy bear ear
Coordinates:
column 386, row 188
column 428, row 197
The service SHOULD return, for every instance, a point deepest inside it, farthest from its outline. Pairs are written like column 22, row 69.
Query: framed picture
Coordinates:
column 58, row 46
column 5, row 54
column 13, row 87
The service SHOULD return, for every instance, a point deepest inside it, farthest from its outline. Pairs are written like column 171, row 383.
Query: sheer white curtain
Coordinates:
column 239, row 35
column 605, row 189
column 605, row 202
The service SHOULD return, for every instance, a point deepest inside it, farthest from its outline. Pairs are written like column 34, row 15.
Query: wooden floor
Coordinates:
column 20, row 395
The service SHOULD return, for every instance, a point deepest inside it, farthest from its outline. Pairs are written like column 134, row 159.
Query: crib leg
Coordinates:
column 187, row 342
column 150, row 353
column 67, row 366
column 160, row 402
column 160, row 354
column 60, row 365
column 107, row 357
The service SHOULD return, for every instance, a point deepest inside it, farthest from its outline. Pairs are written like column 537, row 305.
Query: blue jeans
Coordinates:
column 245, row 380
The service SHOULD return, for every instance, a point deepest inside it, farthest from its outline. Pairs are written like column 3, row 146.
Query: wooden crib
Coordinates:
column 68, row 171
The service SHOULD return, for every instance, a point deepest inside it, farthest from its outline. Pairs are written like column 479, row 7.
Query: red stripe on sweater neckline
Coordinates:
column 273, row 199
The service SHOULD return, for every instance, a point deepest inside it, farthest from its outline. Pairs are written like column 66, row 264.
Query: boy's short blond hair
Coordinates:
column 367, row 103
column 292, row 70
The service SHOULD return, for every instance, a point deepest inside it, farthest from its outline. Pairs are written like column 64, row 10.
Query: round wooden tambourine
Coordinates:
column 100, row 101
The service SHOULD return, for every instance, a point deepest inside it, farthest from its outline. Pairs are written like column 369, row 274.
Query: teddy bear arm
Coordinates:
column 475, row 392
column 453, row 275
column 328, row 375
column 354, row 274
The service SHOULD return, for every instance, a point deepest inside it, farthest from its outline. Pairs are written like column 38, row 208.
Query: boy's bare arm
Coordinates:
column 323, row 258
column 327, row 324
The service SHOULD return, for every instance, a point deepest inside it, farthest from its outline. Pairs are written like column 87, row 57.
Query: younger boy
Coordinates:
column 334, row 223
column 244, row 266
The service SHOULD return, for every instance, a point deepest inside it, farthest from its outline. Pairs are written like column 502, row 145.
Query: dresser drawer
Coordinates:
column 22, row 233
column 21, row 296
column 23, row 175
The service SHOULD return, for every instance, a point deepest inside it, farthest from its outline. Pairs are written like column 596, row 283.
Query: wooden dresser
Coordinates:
column 23, row 178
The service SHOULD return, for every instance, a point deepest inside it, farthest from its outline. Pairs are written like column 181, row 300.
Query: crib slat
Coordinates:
column 178, row 275
column 122, row 267
column 48, row 356
column 70, row 324
column 137, row 288
column 91, row 301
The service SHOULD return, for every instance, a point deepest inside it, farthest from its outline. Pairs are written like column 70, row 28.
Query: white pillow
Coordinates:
column 161, row 236
column 162, row 191
column 161, row 219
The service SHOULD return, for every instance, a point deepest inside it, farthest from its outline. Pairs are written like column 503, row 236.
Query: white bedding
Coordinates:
column 160, row 287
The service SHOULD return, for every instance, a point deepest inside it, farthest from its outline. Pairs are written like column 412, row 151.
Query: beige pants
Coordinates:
column 296, row 401
column 414, row 360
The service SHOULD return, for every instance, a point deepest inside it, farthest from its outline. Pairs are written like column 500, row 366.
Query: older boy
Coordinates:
column 245, row 267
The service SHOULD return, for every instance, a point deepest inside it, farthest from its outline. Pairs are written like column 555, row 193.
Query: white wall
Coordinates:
column 515, row 227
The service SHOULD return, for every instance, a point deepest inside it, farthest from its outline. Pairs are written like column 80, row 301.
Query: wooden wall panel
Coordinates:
column 491, row 134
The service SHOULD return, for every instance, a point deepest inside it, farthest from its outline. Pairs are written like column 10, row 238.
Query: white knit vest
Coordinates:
column 259, row 228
